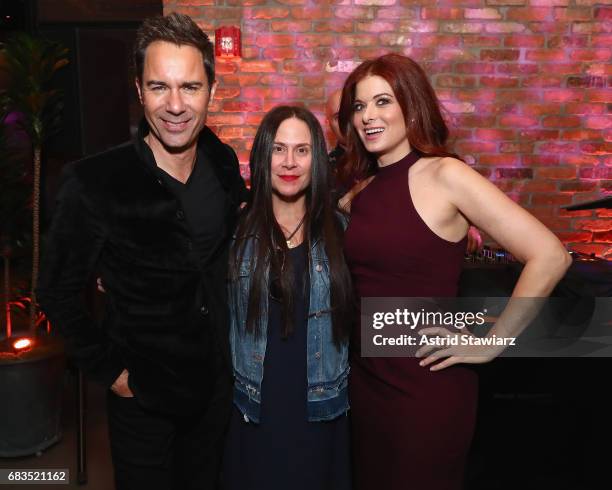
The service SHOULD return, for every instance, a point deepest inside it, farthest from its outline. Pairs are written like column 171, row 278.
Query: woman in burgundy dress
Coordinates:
column 413, row 418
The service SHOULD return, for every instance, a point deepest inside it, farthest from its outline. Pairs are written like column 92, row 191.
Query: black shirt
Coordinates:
column 335, row 155
column 338, row 189
column 204, row 202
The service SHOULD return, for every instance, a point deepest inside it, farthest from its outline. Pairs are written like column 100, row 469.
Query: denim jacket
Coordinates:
column 327, row 367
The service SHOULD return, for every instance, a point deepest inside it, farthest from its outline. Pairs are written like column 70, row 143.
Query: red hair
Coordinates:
column 425, row 127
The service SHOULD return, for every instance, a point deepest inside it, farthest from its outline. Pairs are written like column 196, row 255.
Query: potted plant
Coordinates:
column 14, row 217
column 32, row 367
column 32, row 63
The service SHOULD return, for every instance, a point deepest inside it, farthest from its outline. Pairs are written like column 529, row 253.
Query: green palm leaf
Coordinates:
column 31, row 64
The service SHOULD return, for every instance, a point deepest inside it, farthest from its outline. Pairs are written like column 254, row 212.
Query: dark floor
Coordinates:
column 542, row 425
column 64, row 453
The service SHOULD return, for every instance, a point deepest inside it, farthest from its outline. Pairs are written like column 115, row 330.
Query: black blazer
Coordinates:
column 166, row 313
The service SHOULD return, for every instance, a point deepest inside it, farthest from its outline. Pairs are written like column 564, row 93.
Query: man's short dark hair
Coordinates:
column 179, row 29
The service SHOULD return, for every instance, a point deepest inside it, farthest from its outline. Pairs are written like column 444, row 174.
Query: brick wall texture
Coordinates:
column 525, row 84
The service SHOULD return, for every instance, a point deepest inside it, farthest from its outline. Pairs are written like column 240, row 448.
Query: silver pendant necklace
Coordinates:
column 288, row 239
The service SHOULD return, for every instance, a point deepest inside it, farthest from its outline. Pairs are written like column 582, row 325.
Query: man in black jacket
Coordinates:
column 332, row 108
column 336, row 155
column 153, row 218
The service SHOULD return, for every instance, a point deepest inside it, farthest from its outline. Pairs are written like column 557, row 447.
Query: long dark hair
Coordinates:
column 321, row 222
column 425, row 127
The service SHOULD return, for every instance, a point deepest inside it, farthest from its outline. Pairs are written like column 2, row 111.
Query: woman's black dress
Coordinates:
column 285, row 451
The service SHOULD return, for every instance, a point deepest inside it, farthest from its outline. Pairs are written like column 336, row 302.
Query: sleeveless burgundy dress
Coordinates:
column 412, row 428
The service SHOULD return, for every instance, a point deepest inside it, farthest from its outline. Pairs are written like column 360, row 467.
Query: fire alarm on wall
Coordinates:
column 227, row 42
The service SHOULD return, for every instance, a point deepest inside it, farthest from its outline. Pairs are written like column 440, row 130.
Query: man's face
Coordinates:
column 331, row 110
column 175, row 94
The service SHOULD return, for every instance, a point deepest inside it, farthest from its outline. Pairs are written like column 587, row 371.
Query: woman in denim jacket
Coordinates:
column 290, row 302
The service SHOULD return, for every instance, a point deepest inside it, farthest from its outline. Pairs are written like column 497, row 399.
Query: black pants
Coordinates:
column 157, row 452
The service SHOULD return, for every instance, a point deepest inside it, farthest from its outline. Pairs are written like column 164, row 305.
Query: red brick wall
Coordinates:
column 526, row 84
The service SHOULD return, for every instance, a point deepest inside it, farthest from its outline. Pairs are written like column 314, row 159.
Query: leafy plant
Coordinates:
column 14, row 213
column 32, row 64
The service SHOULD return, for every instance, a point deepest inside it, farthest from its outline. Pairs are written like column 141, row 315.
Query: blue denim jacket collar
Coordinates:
column 327, row 366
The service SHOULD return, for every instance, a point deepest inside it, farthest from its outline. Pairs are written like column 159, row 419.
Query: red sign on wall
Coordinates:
column 227, row 42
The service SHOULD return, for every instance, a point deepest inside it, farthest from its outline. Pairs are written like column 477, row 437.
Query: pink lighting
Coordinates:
column 524, row 83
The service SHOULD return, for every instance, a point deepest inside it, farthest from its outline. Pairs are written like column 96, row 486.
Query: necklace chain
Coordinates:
column 299, row 225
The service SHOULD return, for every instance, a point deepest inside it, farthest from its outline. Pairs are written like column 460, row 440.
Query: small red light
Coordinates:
column 22, row 344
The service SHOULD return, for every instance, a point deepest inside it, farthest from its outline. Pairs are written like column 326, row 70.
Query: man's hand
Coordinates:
column 120, row 386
